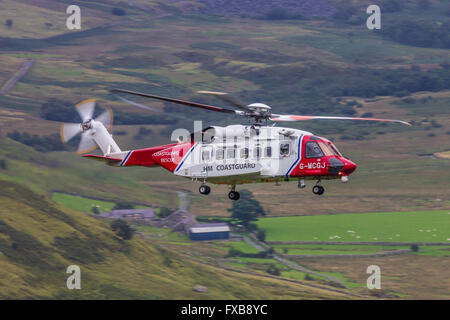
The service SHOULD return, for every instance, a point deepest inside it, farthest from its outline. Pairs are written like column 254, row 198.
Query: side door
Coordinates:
column 287, row 155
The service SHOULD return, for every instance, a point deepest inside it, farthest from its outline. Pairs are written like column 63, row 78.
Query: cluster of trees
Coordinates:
column 369, row 83
column 122, row 205
column 122, row 229
column 39, row 143
column 247, row 210
column 163, row 212
column 420, row 33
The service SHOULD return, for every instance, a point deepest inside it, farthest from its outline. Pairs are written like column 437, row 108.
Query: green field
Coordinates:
column 418, row 226
column 80, row 203
column 84, row 204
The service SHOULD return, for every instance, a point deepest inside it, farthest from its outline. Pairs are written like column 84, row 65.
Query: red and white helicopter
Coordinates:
column 231, row 155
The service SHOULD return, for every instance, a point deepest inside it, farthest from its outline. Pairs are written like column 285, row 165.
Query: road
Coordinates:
column 184, row 201
column 10, row 84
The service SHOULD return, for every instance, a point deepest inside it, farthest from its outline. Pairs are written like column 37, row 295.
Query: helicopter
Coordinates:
column 232, row 155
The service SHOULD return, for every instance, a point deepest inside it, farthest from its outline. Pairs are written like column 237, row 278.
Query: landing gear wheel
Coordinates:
column 204, row 189
column 234, row 195
column 319, row 190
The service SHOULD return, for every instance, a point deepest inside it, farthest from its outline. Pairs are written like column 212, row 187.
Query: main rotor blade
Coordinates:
column 142, row 106
column 183, row 102
column 139, row 105
column 86, row 109
column 69, row 130
column 290, row 118
column 228, row 98
column 106, row 118
column 87, row 144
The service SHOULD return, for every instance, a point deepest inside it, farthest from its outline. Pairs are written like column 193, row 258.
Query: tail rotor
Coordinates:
column 88, row 127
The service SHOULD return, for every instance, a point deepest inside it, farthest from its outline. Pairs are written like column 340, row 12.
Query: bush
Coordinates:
column 9, row 23
column 3, row 164
column 163, row 212
column 308, row 277
column 122, row 229
column 273, row 270
column 95, row 210
column 233, row 252
column 123, row 205
column 261, row 235
column 414, row 248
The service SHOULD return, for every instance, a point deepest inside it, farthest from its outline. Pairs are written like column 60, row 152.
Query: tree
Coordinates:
column 123, row 205
column 246, row 209
column 122, row 229
column 261, row 235
column 57, row 110
column 163, row 212
column 9, row 23
column 273, row 270
column 95, row 210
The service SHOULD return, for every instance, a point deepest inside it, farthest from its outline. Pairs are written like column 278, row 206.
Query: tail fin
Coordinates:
column 103, row 138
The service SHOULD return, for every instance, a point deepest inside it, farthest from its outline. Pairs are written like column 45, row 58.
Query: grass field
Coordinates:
column 84, row 204
column 419, row 226
column 80, row 203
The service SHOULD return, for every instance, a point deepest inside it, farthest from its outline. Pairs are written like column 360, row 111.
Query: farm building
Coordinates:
column 146, row 214
column 209, row 231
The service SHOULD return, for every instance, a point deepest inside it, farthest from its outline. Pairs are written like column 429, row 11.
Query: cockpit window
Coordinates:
column 284, row 149
column 327, row 150
column 336, row 150
column 313, row 150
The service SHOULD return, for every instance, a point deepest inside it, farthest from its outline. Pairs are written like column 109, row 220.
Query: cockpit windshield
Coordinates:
column 317, row 149
column 327, row 149
column 336, row 150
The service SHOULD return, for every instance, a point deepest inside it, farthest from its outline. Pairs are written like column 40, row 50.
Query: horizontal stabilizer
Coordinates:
column 108, row 160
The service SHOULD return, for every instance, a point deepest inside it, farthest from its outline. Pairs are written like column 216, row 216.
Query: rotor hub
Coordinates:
column 85, row 126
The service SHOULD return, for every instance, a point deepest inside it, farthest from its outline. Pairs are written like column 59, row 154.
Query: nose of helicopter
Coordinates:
column 349, row 167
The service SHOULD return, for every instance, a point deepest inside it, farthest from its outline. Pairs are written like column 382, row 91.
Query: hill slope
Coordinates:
column 39, row 240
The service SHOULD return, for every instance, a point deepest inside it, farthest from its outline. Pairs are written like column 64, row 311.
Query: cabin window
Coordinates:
column 206, row 155
column 244, row 153
column 231, row 153
column 219, row 154
column 313, row 150
column 268, row 152
column 285, row 148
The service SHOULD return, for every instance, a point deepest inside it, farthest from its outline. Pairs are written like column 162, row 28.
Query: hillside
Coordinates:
column 38, row 240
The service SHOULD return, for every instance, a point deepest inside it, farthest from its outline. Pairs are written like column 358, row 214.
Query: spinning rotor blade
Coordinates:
column 290, row 118
column 139, row 105
column 86, row 109
column 183, row 102
column 106, row 118
column 87, row 144
column 228, row 98
column 69, row 130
